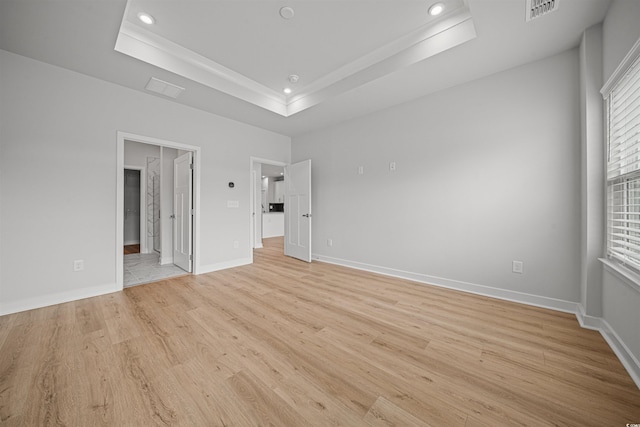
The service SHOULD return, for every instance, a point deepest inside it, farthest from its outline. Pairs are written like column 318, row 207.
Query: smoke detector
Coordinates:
column 287, row 12
column 537, row 8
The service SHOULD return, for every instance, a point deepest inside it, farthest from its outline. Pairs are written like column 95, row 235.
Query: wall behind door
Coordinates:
column 147, row 156
column 131, row 207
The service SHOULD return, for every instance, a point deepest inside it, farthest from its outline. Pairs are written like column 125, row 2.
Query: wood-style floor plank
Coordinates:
column 282, row 342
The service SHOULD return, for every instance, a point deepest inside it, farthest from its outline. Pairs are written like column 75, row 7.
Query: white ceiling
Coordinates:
column 246, row 49
column 353, row 56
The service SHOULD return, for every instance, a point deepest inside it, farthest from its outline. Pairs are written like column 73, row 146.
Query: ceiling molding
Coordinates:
column 155, row 50
column 433, row 39
column 428, row 40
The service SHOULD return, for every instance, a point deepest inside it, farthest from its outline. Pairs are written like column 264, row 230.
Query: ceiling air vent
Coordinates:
column 537, row 8
column 164, row 88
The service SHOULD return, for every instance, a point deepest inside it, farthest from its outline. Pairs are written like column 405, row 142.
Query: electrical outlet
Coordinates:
column 392, row 166
column 236, row 244
column 360, row 170
column 78, row 265
column 517, row 267
column 329, row 242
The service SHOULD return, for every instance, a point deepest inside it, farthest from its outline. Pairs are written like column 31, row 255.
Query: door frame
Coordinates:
column 143, row 205
column 121, row 137
column 252, row 197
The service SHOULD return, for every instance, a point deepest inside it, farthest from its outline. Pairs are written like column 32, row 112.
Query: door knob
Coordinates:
column 307, row 215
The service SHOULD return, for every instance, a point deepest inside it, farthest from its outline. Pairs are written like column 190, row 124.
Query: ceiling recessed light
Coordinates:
column 436, row 9
column 287, row 90
column 146, row 18
column 287, row 12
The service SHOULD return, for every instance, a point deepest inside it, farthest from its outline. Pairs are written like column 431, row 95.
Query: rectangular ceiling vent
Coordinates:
column 164, row 88
column 537, row 8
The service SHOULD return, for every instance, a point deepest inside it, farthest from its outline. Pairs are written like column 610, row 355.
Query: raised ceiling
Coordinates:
column 247, row 49
column 341, row 39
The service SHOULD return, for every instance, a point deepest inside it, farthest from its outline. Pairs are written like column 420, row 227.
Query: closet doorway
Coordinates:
column 156, row 164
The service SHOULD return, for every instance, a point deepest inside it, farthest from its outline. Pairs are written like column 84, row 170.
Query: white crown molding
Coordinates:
column 155, row 50
column 426, row 41
column 430, row 39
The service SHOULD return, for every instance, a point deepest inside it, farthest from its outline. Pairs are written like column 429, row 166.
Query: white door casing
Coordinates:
column 297, row 207
column 182, row 211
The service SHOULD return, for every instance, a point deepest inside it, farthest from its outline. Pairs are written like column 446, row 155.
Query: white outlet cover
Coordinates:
column 518, row 267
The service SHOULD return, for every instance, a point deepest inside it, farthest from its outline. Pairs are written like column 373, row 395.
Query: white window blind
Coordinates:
column 623, row 168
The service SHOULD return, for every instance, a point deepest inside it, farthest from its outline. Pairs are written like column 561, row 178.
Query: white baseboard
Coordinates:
column 57, row 298
column 258, row 246
column 628, row 360
column 131, row 242
column 166, row 260
column 588, row 322
column 504, row 294
column 223, row 265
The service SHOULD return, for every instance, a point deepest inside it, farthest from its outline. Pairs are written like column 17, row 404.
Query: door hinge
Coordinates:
column 190, row 165
column 193, row 212
column 190, row 257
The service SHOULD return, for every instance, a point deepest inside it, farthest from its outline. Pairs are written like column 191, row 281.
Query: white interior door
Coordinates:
column 297, row 210
column 182, row 211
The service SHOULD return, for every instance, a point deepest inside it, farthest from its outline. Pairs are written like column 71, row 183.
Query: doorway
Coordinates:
column 158, row 226
column 267, row 204
column 290, row 197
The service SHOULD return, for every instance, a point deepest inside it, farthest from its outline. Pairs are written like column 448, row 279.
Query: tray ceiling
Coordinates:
column 81, row 36
column 246, row 49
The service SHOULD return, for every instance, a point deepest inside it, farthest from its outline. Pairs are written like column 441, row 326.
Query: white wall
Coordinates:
column 592, row 172
column 137, row 154
column 487, row 172
column 620, row 298
column 58, row 125
column 620, row 32
column 132, row 211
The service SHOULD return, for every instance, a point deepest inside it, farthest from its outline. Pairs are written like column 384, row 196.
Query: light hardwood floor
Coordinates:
column 286, row 343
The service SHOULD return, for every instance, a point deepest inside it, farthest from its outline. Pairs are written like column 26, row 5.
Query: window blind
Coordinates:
column 623, row 168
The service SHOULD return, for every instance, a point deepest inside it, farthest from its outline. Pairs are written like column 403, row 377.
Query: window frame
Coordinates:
column 620, row 255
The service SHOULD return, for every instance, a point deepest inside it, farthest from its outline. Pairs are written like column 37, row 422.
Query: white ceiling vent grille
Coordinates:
column 537, row 8
column 164, row 88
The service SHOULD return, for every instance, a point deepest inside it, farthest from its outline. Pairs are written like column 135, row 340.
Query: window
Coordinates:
column 622, row 104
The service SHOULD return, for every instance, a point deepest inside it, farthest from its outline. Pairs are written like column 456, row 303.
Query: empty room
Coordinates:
column 318, row 213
